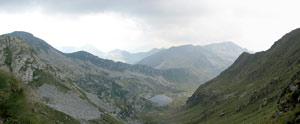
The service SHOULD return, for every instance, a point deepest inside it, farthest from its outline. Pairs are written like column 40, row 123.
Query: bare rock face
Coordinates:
column 17, row 57
column 70, row 103
column 105, row 105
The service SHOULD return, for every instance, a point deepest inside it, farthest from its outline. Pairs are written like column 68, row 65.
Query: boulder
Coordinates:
column 222, row 114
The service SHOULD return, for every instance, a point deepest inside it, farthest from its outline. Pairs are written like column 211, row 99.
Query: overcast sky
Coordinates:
column 139, row 25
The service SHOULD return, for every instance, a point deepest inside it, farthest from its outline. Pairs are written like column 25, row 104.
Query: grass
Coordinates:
column 286, row 118
column 8, row 58
column 16, row 108
column 44, row 77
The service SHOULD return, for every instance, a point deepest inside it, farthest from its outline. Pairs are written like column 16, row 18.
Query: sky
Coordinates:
column 140, row 25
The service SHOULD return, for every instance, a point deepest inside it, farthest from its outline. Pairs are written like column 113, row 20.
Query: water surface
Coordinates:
column 161, row 99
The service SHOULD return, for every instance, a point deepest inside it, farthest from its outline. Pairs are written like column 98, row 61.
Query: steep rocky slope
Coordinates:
column 204, row 62
column 47, row 85
column 251, row 90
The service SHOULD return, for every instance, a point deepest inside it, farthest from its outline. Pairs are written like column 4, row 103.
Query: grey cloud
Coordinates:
column 15, row 5
column 169, row 20
column 134, row 7
column 162, row 15
column 157, row 12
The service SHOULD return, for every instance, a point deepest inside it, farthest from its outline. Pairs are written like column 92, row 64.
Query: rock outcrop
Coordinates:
column 17, row 57
column 50, row 86
column 289, row 99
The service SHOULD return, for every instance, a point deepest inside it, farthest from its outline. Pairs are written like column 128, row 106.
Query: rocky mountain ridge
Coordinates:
column 49, row 86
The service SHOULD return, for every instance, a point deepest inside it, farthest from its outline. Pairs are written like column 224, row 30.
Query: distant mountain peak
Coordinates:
column 186, row 45
column 227, row 43
column 118, row 51
column 202, row 61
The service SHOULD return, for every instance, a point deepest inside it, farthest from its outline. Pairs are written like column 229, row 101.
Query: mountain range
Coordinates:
column 80, row 87
column 115, row 55
column 205, row 62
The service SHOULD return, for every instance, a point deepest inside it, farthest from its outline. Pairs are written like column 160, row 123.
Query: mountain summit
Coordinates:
column 202, row 61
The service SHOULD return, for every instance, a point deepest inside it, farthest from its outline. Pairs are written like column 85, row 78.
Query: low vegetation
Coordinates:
column 42, row 77
column 17, row 108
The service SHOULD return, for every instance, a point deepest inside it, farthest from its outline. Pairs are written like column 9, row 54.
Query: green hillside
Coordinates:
column 247, row 92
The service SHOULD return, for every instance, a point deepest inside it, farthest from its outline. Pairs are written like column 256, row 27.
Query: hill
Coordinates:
column 257, row 88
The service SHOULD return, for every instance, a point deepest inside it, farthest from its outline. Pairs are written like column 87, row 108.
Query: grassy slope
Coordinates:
column 292, row 114
column 239, row 91
column 15, row 107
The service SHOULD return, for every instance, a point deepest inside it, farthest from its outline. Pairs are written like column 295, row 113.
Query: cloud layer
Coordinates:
column 254, row 24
